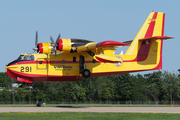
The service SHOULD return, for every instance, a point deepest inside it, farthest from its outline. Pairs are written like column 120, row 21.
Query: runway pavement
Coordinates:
column 93, row 109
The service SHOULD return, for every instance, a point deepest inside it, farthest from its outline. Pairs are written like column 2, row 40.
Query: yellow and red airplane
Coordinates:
column 74, row 59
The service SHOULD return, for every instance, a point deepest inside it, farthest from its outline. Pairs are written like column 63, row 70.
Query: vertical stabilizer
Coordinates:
column 146, row 48
column 153, row 26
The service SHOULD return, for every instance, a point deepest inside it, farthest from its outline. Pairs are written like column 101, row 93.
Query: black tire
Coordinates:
column 86, row 73
column 38, row 105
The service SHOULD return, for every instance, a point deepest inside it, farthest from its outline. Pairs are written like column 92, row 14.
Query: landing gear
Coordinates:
column 82, row 67
column 86, row 73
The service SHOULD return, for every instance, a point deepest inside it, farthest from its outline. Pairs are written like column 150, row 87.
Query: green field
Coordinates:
column 87, row 116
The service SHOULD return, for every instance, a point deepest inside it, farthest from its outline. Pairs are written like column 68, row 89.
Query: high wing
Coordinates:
column 105, row 47
column 105, row 44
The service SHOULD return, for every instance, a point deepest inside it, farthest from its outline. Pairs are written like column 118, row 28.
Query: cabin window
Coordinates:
column 26, row 57
column 74, row 59
column 94, row 61
column 63, row 61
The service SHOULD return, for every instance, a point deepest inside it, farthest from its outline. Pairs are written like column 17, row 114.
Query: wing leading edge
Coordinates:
column 104, row 44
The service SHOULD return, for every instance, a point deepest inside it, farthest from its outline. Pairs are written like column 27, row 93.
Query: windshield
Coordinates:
column 26, row 57
column 20, row 57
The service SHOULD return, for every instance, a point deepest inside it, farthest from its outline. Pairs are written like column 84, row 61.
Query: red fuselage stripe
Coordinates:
column 58, row 62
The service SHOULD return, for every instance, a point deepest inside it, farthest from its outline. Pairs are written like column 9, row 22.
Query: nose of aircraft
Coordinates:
column 13, row 62
column 6, row 68
column 9, row 68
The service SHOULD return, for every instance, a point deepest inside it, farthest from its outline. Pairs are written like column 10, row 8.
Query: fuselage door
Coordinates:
column 81, row 63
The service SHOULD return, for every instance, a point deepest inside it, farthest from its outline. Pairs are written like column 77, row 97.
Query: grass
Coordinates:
column 87, row 116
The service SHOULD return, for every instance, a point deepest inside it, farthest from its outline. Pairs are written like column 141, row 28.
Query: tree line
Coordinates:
column 156, row 86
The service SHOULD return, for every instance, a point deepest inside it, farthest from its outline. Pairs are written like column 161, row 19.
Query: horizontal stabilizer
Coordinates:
column 155, row 38
column 104, row 58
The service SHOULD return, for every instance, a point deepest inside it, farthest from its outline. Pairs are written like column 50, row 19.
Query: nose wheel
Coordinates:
column 86, row 73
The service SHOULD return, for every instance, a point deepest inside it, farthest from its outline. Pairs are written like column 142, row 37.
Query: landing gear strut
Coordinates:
column 82, row 67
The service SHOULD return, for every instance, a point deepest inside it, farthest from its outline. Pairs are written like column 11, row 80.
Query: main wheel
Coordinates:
column 86, row 73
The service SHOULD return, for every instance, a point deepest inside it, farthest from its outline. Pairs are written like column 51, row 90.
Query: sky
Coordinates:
column 96, row 20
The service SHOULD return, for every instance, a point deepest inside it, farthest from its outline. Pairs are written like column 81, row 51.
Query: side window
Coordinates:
column 63, row 61
column 74, row 59
column 26, row 57
column 31, row 57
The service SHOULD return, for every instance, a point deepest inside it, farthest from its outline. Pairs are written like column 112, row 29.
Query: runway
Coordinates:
column 93, row 109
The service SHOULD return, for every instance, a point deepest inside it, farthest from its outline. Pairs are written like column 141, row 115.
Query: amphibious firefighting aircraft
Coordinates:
column 74, row 59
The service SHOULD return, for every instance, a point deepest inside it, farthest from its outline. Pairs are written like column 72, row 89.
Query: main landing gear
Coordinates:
column 85, row 72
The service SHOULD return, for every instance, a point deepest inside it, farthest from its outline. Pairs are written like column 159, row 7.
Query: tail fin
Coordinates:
column 146, row 48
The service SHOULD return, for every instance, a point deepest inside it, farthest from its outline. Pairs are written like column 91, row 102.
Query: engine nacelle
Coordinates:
column 44, row 48
column 64, row 45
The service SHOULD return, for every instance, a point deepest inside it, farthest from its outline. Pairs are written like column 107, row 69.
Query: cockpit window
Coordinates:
column 31, row 57
column 20, row 57
column 26, row 57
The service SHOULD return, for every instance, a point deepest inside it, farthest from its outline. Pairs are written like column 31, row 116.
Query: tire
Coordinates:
column 86, row 73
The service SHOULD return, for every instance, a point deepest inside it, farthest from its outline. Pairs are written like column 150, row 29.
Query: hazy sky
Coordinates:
column 96, row 20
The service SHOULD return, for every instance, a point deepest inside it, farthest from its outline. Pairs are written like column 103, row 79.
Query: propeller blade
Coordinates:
column 57, row 43
column 52, row 40
column 58, row 39
column 36, row 41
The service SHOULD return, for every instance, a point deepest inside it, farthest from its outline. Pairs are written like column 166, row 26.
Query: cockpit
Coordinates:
column 23, row 57
column 26, row 57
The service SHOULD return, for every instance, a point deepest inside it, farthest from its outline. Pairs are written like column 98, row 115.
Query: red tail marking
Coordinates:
column 159, row 66
column 144, row 49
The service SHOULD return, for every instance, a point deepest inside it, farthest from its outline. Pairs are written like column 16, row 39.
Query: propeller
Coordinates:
column 57, row 41
column 36, row 43
column 55, row 45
